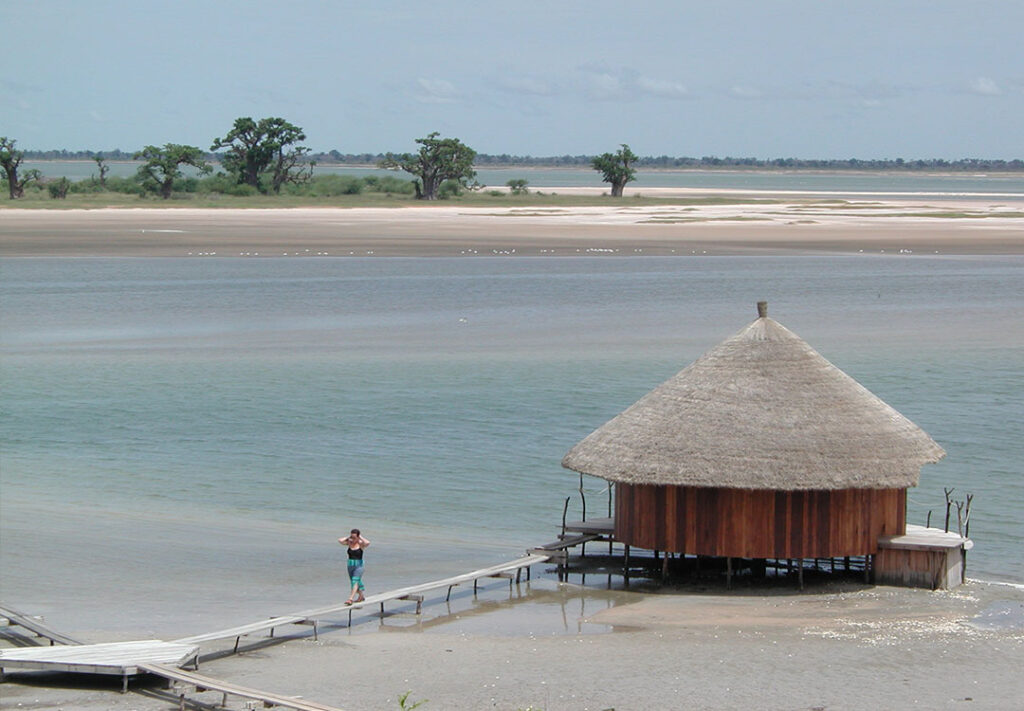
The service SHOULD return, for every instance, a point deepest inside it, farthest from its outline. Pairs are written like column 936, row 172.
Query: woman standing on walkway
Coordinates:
column 356, row 545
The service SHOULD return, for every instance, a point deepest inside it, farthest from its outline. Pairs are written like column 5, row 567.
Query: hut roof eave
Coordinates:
column 762, row 410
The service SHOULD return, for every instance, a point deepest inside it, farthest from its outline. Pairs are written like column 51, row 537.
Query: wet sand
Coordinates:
column 784, row 225
column 837, row 647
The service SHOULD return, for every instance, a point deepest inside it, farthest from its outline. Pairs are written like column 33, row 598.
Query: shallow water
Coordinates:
column 189, row 437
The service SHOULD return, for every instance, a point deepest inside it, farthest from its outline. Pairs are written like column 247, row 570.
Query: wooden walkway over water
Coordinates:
column 165, row 659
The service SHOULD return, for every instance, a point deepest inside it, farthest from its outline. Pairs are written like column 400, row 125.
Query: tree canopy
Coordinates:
column 616, row 168
column 438, row 160
column 10, row 160
column 265, row 154
column 163, row 166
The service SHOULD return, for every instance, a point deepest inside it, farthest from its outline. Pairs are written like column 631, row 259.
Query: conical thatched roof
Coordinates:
column 762, row 410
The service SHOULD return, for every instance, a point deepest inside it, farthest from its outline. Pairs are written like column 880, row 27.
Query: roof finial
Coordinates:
column 762, row 309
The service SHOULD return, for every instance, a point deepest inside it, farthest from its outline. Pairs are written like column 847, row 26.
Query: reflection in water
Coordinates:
column 540, row 607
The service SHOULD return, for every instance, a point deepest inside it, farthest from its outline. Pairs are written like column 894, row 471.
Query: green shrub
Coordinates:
column 390, row 184
column 224, row 184
column 329, row 185
column 128, row 186
column 86, row 187
column 517, row 186
column 59, row 188
column 449, row 189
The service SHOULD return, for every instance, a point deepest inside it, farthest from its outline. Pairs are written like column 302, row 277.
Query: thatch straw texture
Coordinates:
column 762, row 410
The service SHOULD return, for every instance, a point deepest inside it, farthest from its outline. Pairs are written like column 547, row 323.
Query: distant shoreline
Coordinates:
column 645, row 169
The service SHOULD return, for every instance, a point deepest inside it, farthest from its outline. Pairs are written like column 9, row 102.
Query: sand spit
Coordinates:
column 780, row 225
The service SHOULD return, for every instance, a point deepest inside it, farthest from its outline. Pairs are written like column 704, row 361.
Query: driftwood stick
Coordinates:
column 583, row 498
column 960, row 518
column 949, row 502
column 967, row 516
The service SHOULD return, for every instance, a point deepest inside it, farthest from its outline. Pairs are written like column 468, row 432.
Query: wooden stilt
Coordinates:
column 800, row 573
column 728, row 572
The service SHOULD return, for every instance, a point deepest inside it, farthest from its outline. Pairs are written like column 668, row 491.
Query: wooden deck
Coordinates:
column 596, row 526
column 123, row 659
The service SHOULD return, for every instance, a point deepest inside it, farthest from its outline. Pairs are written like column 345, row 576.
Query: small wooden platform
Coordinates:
column 921, row 558
column 117, row 658
column 595, row 526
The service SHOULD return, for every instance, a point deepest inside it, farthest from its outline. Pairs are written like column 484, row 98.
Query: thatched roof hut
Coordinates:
column 761, row 412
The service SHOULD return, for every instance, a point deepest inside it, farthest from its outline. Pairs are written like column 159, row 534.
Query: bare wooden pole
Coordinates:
column 583, row 498
column 949, row 503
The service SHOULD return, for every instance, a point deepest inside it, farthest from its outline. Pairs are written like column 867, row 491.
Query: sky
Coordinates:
column 763, row 79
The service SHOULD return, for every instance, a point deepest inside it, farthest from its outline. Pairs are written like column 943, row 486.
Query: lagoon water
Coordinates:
column 184, row 439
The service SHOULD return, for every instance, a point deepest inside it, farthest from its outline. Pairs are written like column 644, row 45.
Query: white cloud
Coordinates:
column 662, row 87
column 437, row 91
column 985, row 87
column 604, row 86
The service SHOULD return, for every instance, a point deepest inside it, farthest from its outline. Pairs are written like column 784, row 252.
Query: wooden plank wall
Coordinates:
column 941, row 568
column 744, row 523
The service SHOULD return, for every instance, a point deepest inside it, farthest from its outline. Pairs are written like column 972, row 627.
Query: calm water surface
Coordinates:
column 188, row 437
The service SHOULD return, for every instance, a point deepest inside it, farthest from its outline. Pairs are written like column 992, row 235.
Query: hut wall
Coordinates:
column 744, row 523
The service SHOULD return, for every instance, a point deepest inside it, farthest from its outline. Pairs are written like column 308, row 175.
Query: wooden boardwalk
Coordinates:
column 165, row 659
column 178, row 678
column 412, row 593
column 13, row 617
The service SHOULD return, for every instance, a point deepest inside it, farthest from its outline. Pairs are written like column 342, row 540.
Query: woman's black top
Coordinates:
column 355, row 553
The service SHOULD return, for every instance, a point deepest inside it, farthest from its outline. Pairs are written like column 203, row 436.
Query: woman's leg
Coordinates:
column 353, row 577
column 357, row 583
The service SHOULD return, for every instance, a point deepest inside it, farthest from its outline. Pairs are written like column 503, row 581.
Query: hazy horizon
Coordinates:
column 796, row 78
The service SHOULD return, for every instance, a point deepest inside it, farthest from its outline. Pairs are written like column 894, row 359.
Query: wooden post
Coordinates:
column 625, row 566
column 583, row 498
column 664, row 569
column 728, row 572
column 948, row 504
column 800, row 573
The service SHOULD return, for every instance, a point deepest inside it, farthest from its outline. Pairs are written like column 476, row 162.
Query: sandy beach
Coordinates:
column 774, row 224
column 843, row 646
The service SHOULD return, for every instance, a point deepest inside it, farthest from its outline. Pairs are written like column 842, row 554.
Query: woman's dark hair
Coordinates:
column 356, row 531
